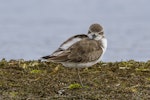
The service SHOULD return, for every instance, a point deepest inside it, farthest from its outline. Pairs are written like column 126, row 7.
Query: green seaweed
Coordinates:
column 20, row 79
column 35, row 71
column 75, row 86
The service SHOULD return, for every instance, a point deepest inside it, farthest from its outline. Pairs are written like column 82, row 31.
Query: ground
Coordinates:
column 39, row 80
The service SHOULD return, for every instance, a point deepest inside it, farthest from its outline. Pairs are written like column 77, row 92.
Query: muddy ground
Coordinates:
column 36, row 80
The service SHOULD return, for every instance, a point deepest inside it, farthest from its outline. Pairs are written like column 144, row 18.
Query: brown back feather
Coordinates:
column 82, row 51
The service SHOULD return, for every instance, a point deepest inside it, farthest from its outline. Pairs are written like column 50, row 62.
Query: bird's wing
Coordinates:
column 82, row 51
column 65, row 45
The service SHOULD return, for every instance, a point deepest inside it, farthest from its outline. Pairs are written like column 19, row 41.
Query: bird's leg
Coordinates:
column 79, row 77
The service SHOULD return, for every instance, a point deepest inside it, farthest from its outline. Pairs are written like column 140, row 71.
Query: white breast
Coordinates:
column 104, row 47
column 104, row 43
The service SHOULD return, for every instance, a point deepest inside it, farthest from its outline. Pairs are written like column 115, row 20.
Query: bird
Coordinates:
column 82, row 50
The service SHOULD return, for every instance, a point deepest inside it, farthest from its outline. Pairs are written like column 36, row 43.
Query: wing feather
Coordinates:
column 65, row 45
column 85, row 51
column 82, row 51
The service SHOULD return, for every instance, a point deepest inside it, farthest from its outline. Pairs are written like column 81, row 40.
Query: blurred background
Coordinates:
column 30, row 29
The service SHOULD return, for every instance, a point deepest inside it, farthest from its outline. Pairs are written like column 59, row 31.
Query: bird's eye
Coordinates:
column 101, row 33
column 89, row 32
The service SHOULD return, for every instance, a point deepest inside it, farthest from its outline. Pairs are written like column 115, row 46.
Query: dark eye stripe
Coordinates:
column 101, row 33
column 89, row 32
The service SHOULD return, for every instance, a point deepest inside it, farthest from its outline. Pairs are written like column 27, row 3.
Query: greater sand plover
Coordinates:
column 83, row 50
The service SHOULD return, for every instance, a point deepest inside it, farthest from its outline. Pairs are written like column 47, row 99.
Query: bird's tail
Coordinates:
column 46, row 57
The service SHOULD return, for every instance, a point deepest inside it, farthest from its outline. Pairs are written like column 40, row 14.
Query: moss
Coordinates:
column 143, row 69
column 20, row 79
column 148, row 78
column 13, row 94
column 75, row 86
column 35, row 71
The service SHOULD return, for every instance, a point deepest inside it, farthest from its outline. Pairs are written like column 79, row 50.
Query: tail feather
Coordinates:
column 46, row 57
column 56, row 58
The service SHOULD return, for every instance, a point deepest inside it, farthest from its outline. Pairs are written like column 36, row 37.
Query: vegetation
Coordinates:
column 36, row 80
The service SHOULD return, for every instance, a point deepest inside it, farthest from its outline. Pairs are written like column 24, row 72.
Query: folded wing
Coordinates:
column 85, row 50
column 65, row 45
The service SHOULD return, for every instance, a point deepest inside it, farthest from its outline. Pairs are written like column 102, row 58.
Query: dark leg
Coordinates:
column 79, row 77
